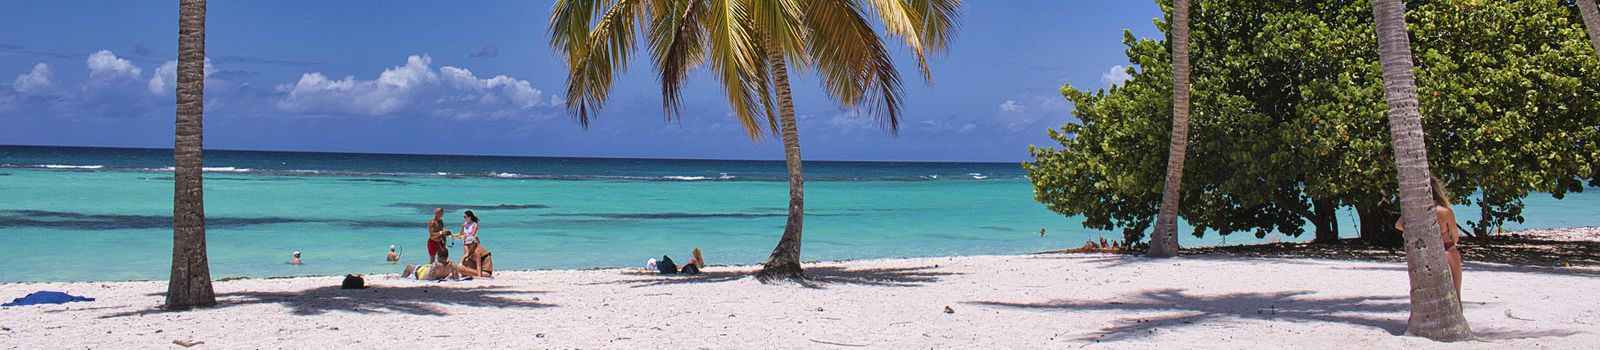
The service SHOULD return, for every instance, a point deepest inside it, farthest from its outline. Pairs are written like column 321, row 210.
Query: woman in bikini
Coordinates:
column 472, row 254
column 1447, row 229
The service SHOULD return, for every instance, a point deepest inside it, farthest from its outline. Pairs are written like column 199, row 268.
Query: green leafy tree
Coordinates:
column 1290, row 120
column 749, row 46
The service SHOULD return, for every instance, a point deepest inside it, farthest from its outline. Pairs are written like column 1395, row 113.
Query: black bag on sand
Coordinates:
column 353, row 282
column 666, row 266
column 690, row 269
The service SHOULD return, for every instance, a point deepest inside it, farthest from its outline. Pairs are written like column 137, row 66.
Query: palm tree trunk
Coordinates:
column 190, row 285
column 1591, row 22
column 1164, row 242
column 1435, row 307
column 784, row 264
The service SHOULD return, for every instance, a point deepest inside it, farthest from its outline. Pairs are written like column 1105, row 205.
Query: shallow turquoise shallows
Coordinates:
column 73, row 214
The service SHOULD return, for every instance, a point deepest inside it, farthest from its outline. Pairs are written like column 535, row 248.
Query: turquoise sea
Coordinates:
column 73, row 214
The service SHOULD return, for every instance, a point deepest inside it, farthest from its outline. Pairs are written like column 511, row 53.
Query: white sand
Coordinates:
column 1040, row 301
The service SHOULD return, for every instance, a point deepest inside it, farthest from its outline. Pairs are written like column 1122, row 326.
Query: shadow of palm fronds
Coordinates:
column 816, row 277
column 1285, row 305
column 420, row 300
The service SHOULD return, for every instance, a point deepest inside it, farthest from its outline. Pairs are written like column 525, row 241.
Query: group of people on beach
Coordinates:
column 476, row 261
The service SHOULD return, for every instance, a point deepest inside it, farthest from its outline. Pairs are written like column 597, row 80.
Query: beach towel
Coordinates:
column 45, row 297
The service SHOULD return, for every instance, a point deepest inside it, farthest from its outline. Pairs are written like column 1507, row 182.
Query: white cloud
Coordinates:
column 1116, row 75
column 414, row 88
column 1025, row 112
column 1010, row 106
column 104, row 65
column 499, row 89
column 165, row 79
column 852, row 120
column 36, row 81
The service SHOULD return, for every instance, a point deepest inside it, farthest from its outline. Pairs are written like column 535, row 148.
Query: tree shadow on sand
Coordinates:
column 1121, row 260
column 1290, row 306
column 816, row 277
column 420, row 300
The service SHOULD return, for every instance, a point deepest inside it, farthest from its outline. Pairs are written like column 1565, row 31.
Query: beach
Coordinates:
column 1039, row 301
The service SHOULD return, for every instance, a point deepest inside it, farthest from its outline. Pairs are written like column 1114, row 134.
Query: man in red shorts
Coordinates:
column 436, row 234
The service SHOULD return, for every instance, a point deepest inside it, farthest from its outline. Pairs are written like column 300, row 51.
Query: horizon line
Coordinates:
column 519, row 156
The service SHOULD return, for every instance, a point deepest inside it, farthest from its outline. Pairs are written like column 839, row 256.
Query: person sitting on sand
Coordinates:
column 441, row 269
column 478, row 258
column 393, row 257
column 295, row 259
column 1447, row 230
column 436, row 234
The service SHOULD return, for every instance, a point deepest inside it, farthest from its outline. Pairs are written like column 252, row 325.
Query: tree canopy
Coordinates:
column 1289, row 123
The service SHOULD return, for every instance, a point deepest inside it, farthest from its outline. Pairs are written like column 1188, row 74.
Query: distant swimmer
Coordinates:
column 295, row 260
column 394, row 257
column 1041, row 232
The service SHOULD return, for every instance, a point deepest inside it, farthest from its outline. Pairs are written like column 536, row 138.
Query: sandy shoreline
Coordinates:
column 1017, row 301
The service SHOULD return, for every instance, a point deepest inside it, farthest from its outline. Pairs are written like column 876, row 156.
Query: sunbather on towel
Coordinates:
column 441, row 269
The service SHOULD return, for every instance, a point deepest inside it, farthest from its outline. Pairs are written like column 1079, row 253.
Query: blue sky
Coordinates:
column 478, row 77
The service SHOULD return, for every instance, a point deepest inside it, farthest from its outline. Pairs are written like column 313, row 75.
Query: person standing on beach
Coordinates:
column 1447, row 229
column 436, row 234
column 469, row 240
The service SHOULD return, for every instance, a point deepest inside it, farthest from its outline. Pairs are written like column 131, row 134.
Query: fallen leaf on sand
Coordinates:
column 187, row 343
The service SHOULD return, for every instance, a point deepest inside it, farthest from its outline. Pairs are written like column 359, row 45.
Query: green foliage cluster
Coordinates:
column 1289, row 120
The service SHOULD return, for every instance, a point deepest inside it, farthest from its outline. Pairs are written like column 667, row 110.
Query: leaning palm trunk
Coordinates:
column 1435, row 307
column 1164, row 242
column 785, row 260
column 1591, row 22
column 190, row 285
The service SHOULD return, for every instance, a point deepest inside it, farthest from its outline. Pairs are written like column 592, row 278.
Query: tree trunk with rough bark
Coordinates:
column 190, row 285
column 1435, row 307
column 784, row 264
column 1377, row 224
column 1164, row 242
column 1326, row 219
column 1591, row 22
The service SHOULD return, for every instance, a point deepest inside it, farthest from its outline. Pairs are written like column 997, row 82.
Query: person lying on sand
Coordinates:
column 295, row 260
column 441, row 269
column 393, row 257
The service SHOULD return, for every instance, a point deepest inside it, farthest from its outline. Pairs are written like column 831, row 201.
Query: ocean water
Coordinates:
column 73, row 214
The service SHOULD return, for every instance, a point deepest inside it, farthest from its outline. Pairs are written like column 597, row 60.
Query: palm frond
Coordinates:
column 856, row 68
column 677, row 42
column 601, row 54
column 926, row 26
column 736, row 57
column 782, row 27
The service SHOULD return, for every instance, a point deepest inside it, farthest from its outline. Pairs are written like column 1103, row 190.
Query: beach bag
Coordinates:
column 666, row 266
column 353, row 282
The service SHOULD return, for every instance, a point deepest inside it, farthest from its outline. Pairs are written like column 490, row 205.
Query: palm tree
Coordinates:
column 1435, row 307
column 749, row 46
column 1591, row 21
column 190, row 285
column 1164, row 241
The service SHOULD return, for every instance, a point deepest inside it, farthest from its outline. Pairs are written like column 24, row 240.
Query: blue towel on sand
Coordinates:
column 45, row 297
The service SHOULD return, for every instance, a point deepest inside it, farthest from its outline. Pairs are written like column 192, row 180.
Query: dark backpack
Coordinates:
column 666, row 265
column 353, row 282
